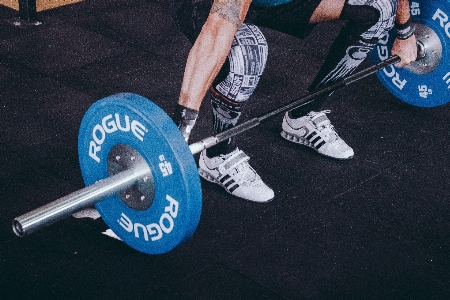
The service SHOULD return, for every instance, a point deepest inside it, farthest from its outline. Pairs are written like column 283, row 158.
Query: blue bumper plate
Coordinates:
column 135, row 121
column 426, row 82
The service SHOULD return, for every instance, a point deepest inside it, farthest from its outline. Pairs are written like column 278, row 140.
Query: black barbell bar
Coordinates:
column 197, row 147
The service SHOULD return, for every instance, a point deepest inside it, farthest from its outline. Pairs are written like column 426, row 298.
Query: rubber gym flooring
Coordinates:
column 374, row 227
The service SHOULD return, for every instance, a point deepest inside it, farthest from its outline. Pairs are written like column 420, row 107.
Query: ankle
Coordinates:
column 222, row 148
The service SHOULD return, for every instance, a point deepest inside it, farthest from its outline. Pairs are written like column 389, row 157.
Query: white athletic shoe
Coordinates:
column 315, row 131
column 235, row 175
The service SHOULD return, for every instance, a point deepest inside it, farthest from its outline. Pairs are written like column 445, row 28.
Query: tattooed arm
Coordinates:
column 407, row 48
column 211, row 49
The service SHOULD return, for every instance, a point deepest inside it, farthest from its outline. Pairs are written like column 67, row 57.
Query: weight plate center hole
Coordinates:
column 140, row 195
column 429, row 51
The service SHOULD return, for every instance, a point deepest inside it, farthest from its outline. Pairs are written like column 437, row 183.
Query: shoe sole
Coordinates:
column 205, row 175
column 302, row 141
column 208, row 177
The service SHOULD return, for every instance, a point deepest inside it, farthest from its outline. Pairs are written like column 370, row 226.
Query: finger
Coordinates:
column 401, row 64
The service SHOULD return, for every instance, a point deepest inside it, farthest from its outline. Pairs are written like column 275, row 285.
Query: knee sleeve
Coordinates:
column 373, row 17
column 367, row 22
column 244, row 65
column 236, row 82
column 360, row 18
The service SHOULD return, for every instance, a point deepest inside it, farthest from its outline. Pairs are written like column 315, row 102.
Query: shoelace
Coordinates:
column 327, row 128
column 246, row 173
column 330, row 133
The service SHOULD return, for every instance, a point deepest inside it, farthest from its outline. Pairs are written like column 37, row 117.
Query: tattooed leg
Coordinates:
column 367, row 21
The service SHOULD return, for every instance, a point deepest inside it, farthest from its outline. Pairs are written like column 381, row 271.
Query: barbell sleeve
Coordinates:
column 67, row 205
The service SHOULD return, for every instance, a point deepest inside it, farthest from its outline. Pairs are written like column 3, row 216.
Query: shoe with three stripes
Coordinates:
column 315, row 131
column 235, row 175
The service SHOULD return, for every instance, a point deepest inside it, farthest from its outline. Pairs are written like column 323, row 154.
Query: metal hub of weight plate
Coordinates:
column 163, row 209
column 425, row 82
column 140, row 195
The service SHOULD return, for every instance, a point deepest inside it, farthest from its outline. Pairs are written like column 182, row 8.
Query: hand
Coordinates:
column 406, row 50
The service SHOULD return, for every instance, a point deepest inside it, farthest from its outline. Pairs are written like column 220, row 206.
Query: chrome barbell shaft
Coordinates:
column 67, row 205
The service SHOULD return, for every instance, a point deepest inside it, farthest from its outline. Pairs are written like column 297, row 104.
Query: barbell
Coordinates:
column 141, row 174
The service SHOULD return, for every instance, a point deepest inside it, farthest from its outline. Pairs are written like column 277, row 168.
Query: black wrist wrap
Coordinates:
column 185, row 119
column 406, row 30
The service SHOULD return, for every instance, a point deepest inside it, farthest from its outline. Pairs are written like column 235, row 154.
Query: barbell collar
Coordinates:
column 67, row 205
